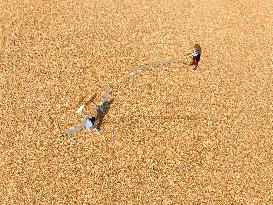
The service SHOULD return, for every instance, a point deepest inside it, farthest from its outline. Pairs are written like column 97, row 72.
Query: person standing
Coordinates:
column 195, row 55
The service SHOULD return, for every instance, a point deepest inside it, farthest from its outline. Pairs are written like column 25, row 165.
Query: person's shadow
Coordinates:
column 91, row 100
column 101, row 115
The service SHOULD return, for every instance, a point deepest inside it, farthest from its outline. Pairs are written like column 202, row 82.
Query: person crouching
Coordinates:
column 90, row 124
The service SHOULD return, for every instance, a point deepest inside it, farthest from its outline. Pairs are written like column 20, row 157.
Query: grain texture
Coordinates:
column 171, row 136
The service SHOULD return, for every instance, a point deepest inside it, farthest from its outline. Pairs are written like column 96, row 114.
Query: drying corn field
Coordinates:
column 171, row 134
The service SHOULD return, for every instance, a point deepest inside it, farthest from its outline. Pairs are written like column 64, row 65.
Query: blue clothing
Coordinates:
column 89, row 124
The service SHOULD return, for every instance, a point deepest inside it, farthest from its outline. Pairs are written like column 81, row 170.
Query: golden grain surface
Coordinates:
column 171, row 136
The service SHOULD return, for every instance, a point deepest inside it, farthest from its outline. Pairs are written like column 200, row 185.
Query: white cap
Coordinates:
column 194, row 53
